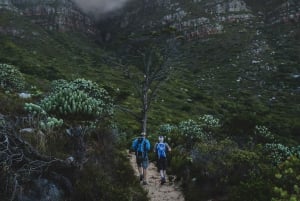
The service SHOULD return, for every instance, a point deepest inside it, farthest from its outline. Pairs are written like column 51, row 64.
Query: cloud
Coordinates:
column 99, row 7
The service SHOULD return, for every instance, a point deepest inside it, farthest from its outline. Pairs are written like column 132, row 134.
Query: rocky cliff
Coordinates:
column 60, row 15
column 282, row 11
column 193, row 18
column 199, row 18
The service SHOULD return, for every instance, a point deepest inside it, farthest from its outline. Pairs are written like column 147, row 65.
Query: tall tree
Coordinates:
column 153, row 72
column 147, row 67
column 148, row 60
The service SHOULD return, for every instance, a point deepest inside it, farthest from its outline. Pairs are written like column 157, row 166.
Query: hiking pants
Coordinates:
column 162, row 163
column 144, row 162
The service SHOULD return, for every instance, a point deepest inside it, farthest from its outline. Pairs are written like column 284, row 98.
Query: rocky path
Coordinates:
column 170, row 191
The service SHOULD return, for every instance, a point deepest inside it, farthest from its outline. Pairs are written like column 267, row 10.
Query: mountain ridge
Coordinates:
column 53, row 15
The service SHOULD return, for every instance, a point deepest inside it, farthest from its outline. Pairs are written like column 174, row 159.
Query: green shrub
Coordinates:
column 287, row 181
column 11, row 78
column 78, row 100
column 223, row 159
column 277, row 152
column 257, row 188
column 46, row 127
column 166, row 129
column 263, row 134
column 41, row 118
column 209, row 121
column 216, row 167
column 178, row 162
column 112, row 175
column 191, row 131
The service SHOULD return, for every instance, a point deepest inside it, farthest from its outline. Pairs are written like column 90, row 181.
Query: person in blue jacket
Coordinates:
column 141, row 146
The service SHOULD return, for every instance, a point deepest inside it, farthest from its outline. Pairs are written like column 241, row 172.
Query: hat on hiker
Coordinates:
column 161, row 138
column 143, row 133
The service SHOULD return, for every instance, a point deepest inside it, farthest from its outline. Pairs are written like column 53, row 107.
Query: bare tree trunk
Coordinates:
column 148, row 76
column 145, row 103
column 144, row 118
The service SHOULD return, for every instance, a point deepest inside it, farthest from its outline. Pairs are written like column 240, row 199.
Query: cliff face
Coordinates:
column 206, row 18
column 199, row 18
column 60, row 15
column 283, row 12
column 194, row 18
column 6, row 4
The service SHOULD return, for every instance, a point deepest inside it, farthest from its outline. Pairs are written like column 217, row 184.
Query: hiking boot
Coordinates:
column 141, row 177
column 145, row 183
column 162, row 181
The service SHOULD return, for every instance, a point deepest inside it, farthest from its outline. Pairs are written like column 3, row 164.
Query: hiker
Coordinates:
column 161, row 148
column 141, row 146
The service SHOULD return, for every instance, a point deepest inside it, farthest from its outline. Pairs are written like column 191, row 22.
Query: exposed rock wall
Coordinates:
column 60, row 15
column 210, row 19
column 287, row 11
column 198, row 18
column 6, row 4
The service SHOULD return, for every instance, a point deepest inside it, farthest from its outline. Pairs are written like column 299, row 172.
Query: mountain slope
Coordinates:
column 237, row 60
column 237, row 57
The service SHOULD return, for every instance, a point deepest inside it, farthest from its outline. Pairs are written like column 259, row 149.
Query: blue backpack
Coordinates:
column 161, row 150
column 140, row 149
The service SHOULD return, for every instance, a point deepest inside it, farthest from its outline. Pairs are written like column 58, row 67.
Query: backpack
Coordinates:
column 161, row 150
column 140, row 149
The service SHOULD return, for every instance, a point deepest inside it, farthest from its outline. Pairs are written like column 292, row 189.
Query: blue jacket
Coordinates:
column 145, row 144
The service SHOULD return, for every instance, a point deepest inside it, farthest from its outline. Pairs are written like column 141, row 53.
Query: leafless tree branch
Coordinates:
column 20, row 161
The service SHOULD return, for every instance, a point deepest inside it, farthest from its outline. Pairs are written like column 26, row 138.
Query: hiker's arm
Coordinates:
column 147, row 145
column 154, row 148
column 169, row 148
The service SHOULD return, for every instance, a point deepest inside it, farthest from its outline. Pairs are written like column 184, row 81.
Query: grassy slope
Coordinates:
column 46, row 55
column 206, row 84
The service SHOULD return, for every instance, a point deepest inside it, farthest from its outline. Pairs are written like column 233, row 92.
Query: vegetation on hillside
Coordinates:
column 229, row 110
column 59, row 141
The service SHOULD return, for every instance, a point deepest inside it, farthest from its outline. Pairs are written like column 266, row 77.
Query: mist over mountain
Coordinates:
column 100, row 7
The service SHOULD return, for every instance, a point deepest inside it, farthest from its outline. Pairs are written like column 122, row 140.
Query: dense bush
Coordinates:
column 278, row 153
column 111, row 173
column 166, row 129
column 78, row 100
column 287, row 180
column 256, row 188
column 188, row 132
column 11, row 78
column 41, row 118
column 76, row 104
column 222, row 169
column 263, row 135
column 225, row 168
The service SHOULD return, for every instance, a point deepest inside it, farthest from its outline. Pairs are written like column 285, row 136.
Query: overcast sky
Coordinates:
column 99, row 7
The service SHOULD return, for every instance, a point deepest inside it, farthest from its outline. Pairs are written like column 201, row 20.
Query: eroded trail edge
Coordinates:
column 170, row 191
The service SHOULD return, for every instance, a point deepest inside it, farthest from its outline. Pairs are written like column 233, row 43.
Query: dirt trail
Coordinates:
column 170, row 191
